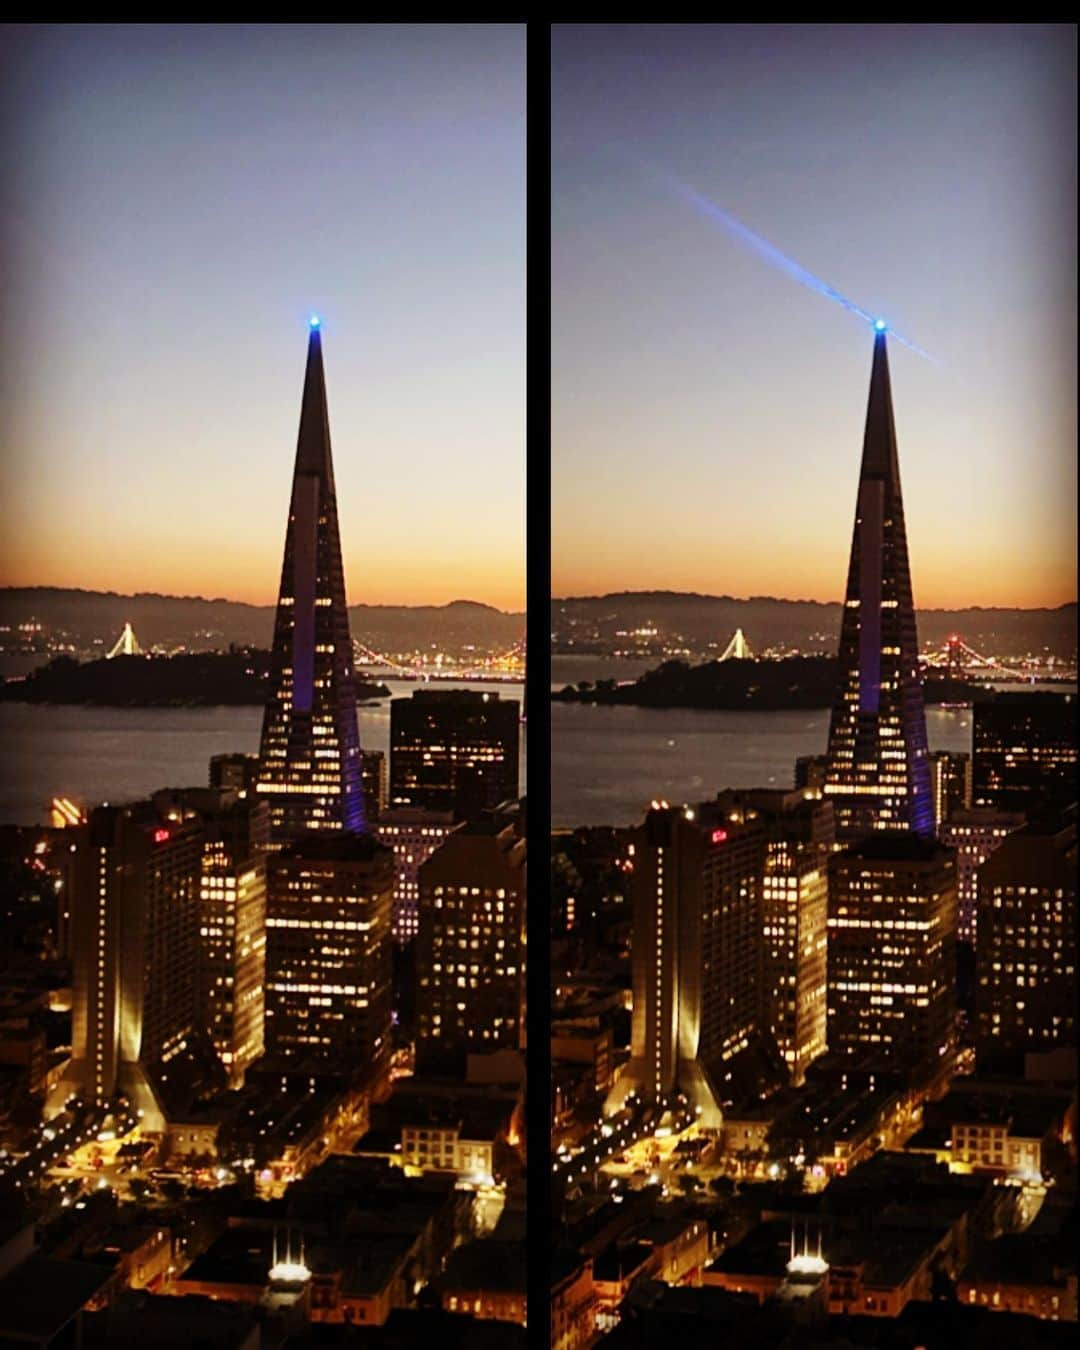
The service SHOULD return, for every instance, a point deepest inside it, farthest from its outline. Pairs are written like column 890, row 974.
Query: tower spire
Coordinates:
column 878, row 768
column 313, row 691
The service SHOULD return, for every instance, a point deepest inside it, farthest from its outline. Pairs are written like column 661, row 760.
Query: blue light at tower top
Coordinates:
column 314, row 321
column 880, row 325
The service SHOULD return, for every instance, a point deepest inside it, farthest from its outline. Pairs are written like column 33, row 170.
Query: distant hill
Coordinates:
column 201, row 624
column 593, row 623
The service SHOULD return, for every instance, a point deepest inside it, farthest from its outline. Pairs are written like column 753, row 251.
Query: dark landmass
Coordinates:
column 765, row 686
column 199, row 679
column 590, row 625
column 201, row 624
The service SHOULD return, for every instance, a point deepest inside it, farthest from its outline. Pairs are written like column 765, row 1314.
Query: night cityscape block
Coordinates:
column 309, row 755
column 950, row 784
column 878, row 774
column 974, row 834
column 1024, row 749
column 892, row 951
column 454, row 750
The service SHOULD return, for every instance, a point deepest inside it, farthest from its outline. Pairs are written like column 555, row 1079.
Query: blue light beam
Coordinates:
column 770, row 253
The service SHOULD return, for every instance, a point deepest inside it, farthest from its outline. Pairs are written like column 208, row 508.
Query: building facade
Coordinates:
column 1025, row 950
column 453, row 750
column 328, row 968
column 1024, row 750
column 950, row 784
column 470, row 953
column 878, row 774
column 892, row 950
column 696, row 951
column 135, row 950
column 309, row 756
column 414, row 834
column 974, row 834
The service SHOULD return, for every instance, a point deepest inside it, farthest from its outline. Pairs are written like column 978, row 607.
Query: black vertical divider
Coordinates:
column 538, row 684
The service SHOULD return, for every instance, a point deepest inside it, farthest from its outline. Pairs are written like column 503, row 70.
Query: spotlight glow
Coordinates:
column 766, row 251
column 314, row 321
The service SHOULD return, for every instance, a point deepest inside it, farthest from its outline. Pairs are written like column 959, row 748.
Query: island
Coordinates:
column 767, row 686
column 190, row 679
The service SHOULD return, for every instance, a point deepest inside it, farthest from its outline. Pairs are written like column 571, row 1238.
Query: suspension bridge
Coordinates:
column 508, row 665
column 965, row 663
column 127, row 644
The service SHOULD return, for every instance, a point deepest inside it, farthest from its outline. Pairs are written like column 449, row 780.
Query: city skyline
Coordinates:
column 186, row 196
column 926, row 175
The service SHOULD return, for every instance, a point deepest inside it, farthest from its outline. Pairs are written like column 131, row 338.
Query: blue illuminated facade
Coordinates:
column 309, row 757
column 878, row 771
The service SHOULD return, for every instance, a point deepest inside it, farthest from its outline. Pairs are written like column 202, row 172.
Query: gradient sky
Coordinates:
column 707, row 410
column 174, row 202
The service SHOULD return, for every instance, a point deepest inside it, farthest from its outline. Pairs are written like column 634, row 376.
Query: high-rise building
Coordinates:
column 470, row 951
column 414, row 834
column 309, row 757
column 237, row 771
column 799, row 836
column 1024, row 750
column 374, row 779
column 453, row 750
column 232, row 919
column 892, row 950
column 974, row 834
column 135, row 954
column 328, row 965
column 1025, row 951
column 950, row 784
column 878, row 776
column 810, row 771
column 696, row 951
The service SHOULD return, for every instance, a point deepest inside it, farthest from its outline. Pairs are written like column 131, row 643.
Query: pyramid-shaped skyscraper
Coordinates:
column 878, row 774
column 309, row 757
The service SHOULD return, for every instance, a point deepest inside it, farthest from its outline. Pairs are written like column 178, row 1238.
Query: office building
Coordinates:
column 470, row 948
column 878, row 773
column 232, row 919
column 974, row 834
column 1024, row 748
column 453, row 750
column 811, row 771
column 696, row 951
column 328, row 967
column 414, row 834
column 238, row 772
column 1025, row 951
column 799, row 836
column 309, row 756
column 950, row 784
column 135, row 950
column 373, row 777
column 892, row 950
